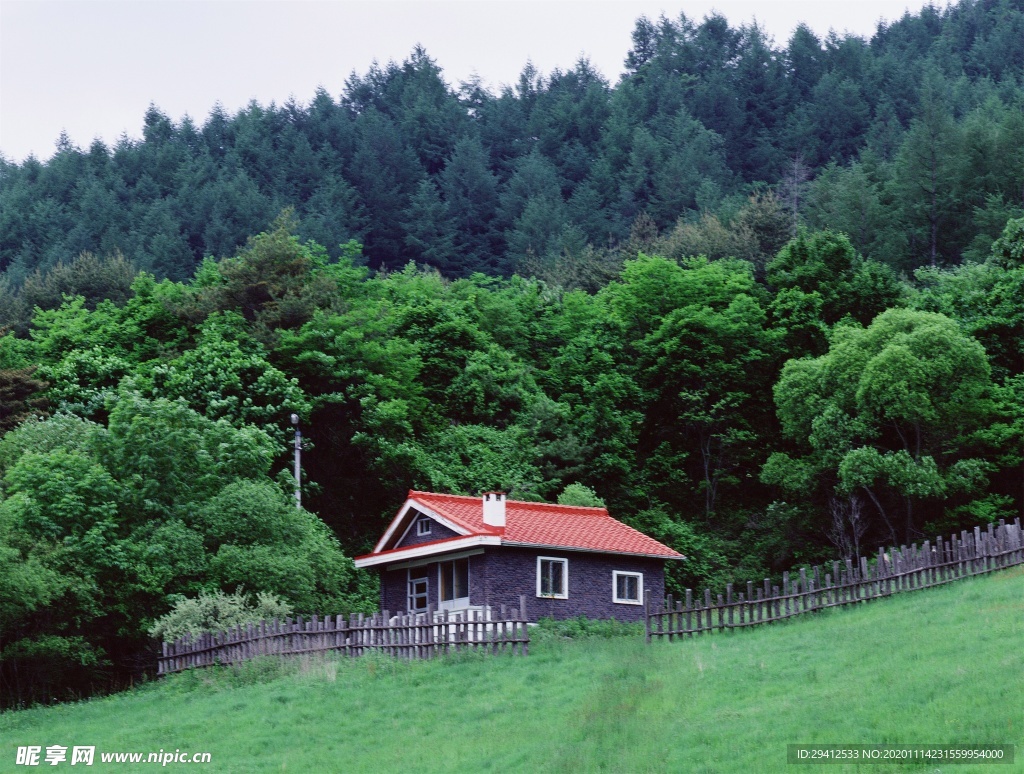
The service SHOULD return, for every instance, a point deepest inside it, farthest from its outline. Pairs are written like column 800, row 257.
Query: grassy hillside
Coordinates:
column 937, row 667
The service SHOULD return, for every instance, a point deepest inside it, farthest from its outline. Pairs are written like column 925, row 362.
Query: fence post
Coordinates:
column 728, row 601
column 667, row 606
column 647, row 616
column 526, row 628
column 977, row 550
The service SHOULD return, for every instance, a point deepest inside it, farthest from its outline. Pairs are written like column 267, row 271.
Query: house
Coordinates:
column 456, row 553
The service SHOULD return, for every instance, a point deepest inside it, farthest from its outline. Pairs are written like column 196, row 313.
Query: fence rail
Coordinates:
column 404, row 635
column 849, row 582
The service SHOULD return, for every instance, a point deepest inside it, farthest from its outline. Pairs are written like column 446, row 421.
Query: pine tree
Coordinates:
column 470, row 192
column 429, row 230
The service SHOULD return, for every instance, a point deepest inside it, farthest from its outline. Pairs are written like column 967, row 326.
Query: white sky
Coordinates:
column 92, row 67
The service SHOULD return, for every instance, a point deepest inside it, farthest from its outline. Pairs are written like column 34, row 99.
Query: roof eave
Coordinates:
column 429, row 549
column 553, row 547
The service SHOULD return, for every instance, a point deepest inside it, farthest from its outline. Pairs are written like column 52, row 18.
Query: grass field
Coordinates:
column 940, row 666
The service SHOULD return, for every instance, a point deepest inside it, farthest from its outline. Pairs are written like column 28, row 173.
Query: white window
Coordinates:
column 453, row 584
column 552, row 577
column 417, row 590
column 627, row 588
column 423, row 527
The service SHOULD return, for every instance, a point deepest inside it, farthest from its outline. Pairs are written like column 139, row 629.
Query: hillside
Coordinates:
column 941, row 666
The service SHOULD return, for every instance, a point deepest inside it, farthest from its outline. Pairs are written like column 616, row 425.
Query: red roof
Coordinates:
column 538, row 524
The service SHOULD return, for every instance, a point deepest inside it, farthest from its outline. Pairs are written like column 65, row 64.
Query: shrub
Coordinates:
column 215, row 612
column 578, row 494
column 581, row 626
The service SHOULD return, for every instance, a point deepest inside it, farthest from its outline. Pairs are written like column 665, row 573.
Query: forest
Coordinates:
column 765, row 303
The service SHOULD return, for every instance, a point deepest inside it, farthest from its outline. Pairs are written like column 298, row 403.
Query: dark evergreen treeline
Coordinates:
column 911, row 142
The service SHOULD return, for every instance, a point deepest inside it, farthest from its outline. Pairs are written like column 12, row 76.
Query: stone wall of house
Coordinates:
column 394, row 589
column 509, row 572
column 498, row 576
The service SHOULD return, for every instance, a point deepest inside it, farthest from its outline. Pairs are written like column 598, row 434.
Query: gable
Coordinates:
column 423, row 528
column 409, row 512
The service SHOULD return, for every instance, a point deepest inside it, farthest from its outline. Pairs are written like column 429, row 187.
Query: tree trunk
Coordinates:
column 885, row 517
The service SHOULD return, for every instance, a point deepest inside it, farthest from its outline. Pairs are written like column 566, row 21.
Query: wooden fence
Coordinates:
column 404, row 635
column 849, row 582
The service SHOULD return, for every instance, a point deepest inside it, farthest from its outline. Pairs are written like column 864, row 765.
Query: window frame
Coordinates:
column 422, row 522
column 455, row 603
column 639, row 587
column 410, row 583
column 565, row 576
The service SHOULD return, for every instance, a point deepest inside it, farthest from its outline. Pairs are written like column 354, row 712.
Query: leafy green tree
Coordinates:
column 702, row 368
column 578, row 494
column 892, row 412
column 468, row 458
column 983, row 298
column 707, row 563
column 58, row 525
column 1008, row 250
column 259, row 540
column 630, row 375
column 764, row 215
column 59, row 431
column 227, row 375
column 108, row 527
column 276, row 282
column 754, row 233
column 85, row 354
column 821, row 280
column 170, row 456
column 85, row 381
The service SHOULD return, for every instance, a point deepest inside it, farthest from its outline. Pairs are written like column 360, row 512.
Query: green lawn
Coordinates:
column 940, row 666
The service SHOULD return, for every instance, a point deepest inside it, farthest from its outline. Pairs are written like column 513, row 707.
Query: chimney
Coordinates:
column 494, row 509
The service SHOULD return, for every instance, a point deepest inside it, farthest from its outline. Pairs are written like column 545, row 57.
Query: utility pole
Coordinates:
column 298, row 461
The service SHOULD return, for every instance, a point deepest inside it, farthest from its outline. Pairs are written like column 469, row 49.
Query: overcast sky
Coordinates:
column 92, row 67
